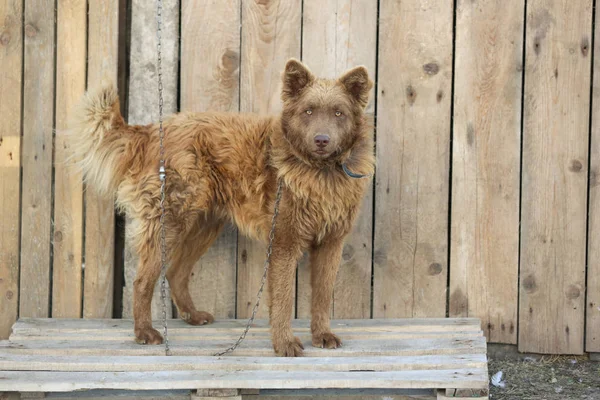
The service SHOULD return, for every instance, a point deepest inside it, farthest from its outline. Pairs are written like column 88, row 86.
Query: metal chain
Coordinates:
column 163, row 177
column 264, row 277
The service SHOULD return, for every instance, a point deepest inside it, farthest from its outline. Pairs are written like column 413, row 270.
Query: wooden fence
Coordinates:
column 486, row 200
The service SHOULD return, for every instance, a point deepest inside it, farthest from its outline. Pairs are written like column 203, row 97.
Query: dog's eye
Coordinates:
column 309, row 112
column 338, row 113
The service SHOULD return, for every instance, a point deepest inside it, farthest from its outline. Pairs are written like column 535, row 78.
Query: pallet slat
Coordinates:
column 385, row 325
column 185, row 335
column 253, row 348
column 13, row 362
column 69, row 381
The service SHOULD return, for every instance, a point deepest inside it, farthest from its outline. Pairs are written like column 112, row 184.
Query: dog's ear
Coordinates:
column 357, row 83
column 296, row 77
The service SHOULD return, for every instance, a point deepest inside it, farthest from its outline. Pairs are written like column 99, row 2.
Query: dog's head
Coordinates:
column 323, row 118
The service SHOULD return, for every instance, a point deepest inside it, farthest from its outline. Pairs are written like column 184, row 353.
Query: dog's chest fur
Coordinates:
column 322, row 203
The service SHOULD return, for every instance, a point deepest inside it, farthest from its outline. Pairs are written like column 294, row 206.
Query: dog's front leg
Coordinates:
column 282, row 272
column 324, row 264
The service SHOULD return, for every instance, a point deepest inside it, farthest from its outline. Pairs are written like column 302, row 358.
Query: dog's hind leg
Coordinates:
column 148, row 272
column 196, row 243
column 145, row 237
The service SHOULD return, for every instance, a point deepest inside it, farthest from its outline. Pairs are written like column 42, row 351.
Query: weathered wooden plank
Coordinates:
column 253, row 348
column 103, row 52
column 46, row 325
column 270, row 36
column 11, row 80
column 38, row 119
column 69, row 381
column 484, row 263
column 71, row 54
column 143, row 102
column 592, row 343
column 13, row 362
column 336, row 37
column 210, row 58
column 182, row 336
column 413, row 125
column 555, row 160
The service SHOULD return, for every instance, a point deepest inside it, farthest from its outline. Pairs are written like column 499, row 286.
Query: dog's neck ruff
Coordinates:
column 352, row 174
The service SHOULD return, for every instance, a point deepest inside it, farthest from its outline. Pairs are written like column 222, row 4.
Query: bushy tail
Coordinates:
column 98, row 139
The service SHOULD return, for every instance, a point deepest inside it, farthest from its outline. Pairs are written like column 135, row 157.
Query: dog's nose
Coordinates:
column 321, row 140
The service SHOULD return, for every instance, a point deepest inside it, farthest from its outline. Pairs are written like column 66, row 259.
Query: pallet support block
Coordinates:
column 443, row 357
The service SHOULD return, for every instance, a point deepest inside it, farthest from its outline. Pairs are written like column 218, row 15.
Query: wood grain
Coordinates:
column 338, row 36
column 270, row 36
column 592, row 343
column 413, row 131
column 143, row 102
column 484, row 251
column 103, row 55
column 210, row 58
column 38, row 120
column 71, row 53
column 11, row 81
column 555, row 160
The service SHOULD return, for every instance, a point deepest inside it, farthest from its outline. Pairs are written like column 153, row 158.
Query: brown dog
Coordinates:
column 225, row 167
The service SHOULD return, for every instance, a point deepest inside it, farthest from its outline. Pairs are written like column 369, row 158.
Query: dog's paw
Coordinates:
column 326, row 340
column 148, row 336
column 292, row 348
column 197, row 317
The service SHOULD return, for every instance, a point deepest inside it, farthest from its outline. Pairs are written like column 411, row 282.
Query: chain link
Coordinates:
column 264, row 277
column 163, row 178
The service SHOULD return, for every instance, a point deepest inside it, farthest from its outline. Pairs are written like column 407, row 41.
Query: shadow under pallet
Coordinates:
column 391, row 358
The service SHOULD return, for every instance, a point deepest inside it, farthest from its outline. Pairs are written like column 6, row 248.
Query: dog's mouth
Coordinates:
column 321, row 153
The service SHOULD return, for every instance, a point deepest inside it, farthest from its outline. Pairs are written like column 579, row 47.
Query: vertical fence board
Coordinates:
column 11, row 48
column 339, row 35
column 593, row 273
column 103, row 55
column 210, row 56
column 143, row 102
column 67, row 242
column 555, row 159
column 270, row 36
column 413, row 130
column 485, row 182
column 38, row 95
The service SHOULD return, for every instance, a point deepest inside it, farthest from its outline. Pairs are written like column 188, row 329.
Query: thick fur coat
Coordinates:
column 225, row 167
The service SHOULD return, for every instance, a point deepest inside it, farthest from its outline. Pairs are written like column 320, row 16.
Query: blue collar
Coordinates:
column 352, row 174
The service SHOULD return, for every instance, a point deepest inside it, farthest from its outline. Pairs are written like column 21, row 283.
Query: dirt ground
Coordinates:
column 549, row 378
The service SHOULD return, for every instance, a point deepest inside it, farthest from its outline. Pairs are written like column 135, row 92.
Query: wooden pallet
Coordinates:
column 445, row 357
